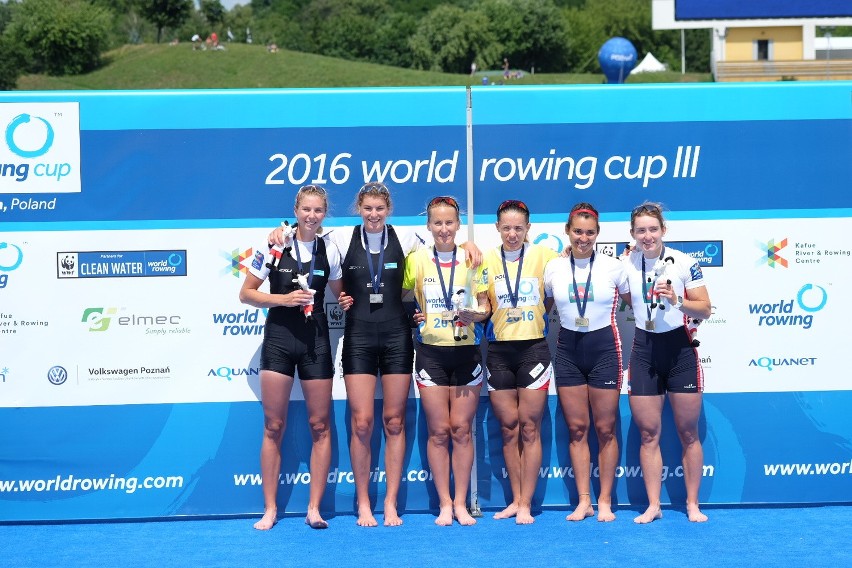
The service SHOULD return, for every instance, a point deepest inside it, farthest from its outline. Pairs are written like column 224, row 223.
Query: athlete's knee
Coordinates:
column 461, row 434
column 394, row 424
column 605, row 430
column 510, row 430
column 362, row 426
column 319, row 427
column 274, row 428
column 649, row 437
column 530, row 431
column 440, row 436
column 688, row 437
column 577, row 433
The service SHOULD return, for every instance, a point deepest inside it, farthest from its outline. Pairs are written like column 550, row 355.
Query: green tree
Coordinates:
column 213, row 12
column 11, row 64
column 449, row 38
column 166, row 13
column 344, row 28
column 392, row 37
column 60, row 37
column 532, row 33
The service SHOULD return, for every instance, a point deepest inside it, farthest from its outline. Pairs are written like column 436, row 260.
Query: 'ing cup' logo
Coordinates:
column 31, row 134
column 11, row 257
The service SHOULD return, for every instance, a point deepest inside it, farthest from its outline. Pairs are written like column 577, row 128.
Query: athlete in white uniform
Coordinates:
column 586, row 289
column 666, row 286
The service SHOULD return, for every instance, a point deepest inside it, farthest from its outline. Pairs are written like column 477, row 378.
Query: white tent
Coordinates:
column 649, row 65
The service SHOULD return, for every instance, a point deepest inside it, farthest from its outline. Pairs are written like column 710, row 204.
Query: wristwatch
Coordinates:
column 679, row 304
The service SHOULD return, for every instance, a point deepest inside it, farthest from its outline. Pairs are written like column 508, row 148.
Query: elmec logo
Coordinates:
column 100, row 319
column 771, row 254
column 798, row 311
column 41, row 150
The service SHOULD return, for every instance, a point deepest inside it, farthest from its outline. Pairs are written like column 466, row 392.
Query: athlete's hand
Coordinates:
column 345, row 301
column 467, row 316
column 664, row 289
column 276, row 237
column 418, row 317
column 474, row 255
column 297, row 298
column 627, row 250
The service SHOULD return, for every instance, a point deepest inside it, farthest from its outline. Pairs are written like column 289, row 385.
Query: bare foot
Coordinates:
column 583, row 511
column 694, row 514
column 524, row 516
column 391, row 517
column 652, row 513
column 315, row 520
column 445, row 516
column 508, row 512
column 268, row 520
column 463, row 516
column 366, row 518
column 605, row 513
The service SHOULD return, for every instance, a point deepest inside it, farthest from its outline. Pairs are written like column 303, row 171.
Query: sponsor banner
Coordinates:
column 121, row 264
column 166, row 469
column 109, row 342
column 684, row 163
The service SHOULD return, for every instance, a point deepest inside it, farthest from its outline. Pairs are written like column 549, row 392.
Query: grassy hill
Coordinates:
column 243, row 66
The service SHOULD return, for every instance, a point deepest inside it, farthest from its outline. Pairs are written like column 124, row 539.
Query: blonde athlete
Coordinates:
column 293, row 341
column 519, row 365
column 448, row 366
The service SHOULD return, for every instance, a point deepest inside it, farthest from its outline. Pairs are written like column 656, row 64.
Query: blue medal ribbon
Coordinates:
column 513, row 297
column 375, row 274
column 447, row 294
column 581, row 306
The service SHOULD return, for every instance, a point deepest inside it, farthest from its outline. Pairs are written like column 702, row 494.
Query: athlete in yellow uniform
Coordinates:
column 448, row 367
column 519, row 365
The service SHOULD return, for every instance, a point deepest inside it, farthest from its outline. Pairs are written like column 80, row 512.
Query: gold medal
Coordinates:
column 581, row 322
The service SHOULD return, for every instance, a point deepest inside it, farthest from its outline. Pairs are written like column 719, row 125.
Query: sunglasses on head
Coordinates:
column 313, row 188
column 446, row 199
column 374, row 187
column 646, row 207
column 510, row 203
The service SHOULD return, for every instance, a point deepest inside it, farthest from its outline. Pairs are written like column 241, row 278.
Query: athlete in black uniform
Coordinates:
column 296, row 337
